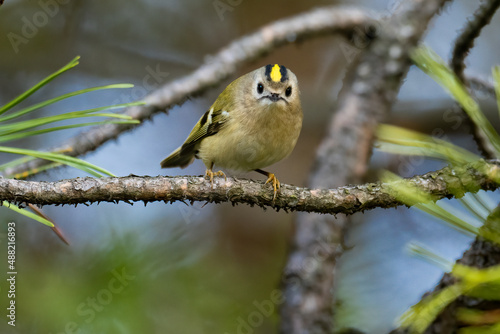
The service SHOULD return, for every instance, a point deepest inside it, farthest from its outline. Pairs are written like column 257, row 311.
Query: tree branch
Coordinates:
column 317, row 22
column 369, row 91
column 447, row 182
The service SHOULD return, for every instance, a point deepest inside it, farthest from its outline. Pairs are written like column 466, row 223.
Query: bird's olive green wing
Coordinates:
column 208, row 125
column 211, row 123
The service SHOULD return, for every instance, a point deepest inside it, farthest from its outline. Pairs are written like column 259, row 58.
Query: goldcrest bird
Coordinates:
column 255, row 122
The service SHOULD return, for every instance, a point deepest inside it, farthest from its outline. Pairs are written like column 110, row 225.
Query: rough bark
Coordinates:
column 447, row 182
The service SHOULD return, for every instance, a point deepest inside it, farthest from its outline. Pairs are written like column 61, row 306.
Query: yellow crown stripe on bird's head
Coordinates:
column 276, row 73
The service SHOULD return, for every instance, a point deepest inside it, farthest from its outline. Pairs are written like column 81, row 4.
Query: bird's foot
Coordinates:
column 210, row 175
column 276, row 184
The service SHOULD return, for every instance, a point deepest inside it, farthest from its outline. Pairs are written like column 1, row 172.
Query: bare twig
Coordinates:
column 472, row 29
column 481, row 84
column 367, row 96
column 318, row 22
column 463, row 44
column 446, row 182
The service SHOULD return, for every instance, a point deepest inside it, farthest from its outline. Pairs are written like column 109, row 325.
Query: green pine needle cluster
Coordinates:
column 12, row 128
column 473, row 282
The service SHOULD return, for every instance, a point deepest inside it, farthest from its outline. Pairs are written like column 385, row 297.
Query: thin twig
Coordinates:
column 481, row 84
column 465, row 41
column 318, row 22
column 447, row 182
column 463, row 44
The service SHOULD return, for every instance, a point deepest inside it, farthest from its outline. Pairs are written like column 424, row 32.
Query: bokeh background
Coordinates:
column 206, row 268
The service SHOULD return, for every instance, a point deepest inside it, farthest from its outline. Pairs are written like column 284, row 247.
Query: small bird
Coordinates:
column 255, row 122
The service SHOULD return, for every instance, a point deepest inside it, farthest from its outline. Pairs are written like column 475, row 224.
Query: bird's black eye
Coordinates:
column 260, row 88
column 288, row 91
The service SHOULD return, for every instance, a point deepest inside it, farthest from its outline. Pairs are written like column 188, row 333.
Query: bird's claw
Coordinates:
column 210, row 175
column 276, row 184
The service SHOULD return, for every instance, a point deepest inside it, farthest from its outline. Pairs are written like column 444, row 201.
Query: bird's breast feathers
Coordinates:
column 247, row 144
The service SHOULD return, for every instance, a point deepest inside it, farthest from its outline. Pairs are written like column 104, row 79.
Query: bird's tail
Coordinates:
column 178, row 158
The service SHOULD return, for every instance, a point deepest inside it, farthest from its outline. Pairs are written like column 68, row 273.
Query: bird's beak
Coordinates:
column 274, row 97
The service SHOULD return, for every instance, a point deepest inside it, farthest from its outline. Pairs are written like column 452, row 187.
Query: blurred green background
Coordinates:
column 215, row 268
